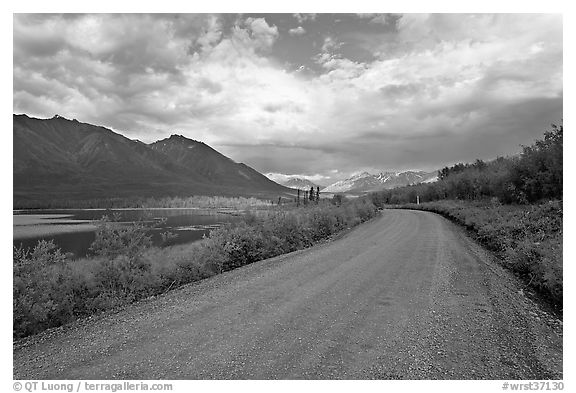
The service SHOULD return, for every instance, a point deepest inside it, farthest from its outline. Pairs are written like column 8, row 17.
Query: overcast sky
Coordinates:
column 321, row 95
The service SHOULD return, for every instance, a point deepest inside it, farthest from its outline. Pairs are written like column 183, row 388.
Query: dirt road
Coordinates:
column 405, row 296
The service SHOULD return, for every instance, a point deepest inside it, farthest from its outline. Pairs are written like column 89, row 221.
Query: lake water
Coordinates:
column 74, row 230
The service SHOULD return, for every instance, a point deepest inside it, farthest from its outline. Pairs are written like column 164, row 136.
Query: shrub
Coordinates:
column 43, row 289
column 114, row 239
column 322, row 224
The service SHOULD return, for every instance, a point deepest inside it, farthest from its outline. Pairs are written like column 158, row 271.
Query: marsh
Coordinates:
column 74, row 230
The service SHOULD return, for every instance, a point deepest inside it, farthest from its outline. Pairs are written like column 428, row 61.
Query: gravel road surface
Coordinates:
column 405, row 296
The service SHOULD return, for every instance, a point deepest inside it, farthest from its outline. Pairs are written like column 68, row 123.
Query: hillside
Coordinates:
column 61, row 158
column 200, row 161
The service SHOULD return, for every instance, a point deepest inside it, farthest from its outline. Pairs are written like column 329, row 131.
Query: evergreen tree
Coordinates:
column 298, row 200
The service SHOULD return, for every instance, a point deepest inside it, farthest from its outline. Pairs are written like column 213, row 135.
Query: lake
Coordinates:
column 74, row 230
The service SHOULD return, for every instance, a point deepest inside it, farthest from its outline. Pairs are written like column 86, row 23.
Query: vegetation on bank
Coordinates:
column 195, row 201
column 534, row 175
column 51, row 290
column 512, row 205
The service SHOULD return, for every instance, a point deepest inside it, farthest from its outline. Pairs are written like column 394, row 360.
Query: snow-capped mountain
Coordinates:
column 299, row 183
column 292, row 181
column 366, row 182
column 361, row 180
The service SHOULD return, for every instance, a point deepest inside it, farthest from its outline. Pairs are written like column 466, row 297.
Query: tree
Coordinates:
column 538, row 173
column 298, row 200
column 479, row 164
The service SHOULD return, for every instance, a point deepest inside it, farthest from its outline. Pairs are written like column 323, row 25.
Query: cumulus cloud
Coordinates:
column 384, row 19
column 297, row 31
column 304, row 17
column 437, row 89
column 330, row 45
column 262, row 34
column 211, row 35
column 338, row 66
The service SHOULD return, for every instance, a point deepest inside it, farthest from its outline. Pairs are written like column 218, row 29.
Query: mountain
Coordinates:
column 366, row 182
column 292, row 182
column 203, row 162
column 299, row 183
column 61, row 158
column 359, row 181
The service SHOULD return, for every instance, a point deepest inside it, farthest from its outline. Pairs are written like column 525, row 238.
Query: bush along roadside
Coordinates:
column 50, row 290
column 526, row 238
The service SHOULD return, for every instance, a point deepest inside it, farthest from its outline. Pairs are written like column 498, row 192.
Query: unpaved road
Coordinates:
column 406, row 296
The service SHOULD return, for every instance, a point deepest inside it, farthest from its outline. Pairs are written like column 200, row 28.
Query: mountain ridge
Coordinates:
column 292, row 181
column 300, row 184
column 62, row 158
column 366, row 182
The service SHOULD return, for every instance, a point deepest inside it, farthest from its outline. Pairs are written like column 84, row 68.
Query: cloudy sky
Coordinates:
column 320, row 95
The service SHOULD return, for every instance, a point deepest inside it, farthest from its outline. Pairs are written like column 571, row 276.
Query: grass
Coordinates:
column 50, row 290
column 527, row 238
